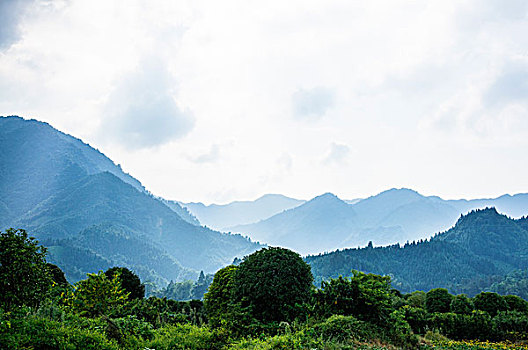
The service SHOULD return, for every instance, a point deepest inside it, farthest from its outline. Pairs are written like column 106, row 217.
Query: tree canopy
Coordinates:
column 24, row 275
column 272, row 284
column 130, row 282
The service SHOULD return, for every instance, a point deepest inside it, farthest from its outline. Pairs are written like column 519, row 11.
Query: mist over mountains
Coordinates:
column 326, row 222
column 92, row 215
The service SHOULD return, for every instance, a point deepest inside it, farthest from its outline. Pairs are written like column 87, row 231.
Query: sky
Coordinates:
column 216, row 101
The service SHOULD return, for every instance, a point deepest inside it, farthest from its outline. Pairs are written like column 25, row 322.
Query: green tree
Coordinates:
column 57, row 275
column 416, row 299
column 438, row 300
column 365, row 296
column 516, row 303
column 130, row 282
column 217, row 300
column 200, row 286
column 97, row 295
column 490, row 302
column 273, row 284
column 461, row 304
column 24, row 275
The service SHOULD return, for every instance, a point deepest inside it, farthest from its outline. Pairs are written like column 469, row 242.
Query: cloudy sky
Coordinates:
column 221, row 100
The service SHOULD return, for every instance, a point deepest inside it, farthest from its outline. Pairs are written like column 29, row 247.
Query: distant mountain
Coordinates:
column 479, row 250
column 77, row 201
column 182, row 211
column 393, row 216
column 221, row 217
column 321, row 224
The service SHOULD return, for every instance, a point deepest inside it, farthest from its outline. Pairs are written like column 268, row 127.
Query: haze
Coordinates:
column 214, row 101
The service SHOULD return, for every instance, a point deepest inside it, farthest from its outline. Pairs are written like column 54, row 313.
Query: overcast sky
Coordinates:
column 215, row 101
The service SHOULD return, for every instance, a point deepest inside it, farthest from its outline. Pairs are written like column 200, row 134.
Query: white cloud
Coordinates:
column 312, row 104
column 142, row 109
column 209, row 157
column 409, row 86
column 337, row 154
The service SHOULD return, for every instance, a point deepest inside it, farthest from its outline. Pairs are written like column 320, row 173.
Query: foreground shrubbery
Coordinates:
column 267, row 302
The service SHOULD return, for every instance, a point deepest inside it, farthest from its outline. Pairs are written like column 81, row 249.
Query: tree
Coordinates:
column 200, row 286
column 272, row 284
column 24, row 275
column 490, row 302
column 461, row 304
column 438, row 300
column 365, row 296
column 217, row 300
column 416, row 299
column 97, row 295
column 516, row 303
column 130, row 282
column 57, row 275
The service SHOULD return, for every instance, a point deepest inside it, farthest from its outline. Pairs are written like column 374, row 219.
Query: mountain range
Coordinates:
column 92, row 215
column 326, row 222
column 223, row 216
column 476, row 253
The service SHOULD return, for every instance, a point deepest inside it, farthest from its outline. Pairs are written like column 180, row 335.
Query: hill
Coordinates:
column 480, row 249
column 321, row 224
column 223, row 216
column 61, row 190
column 392, row 216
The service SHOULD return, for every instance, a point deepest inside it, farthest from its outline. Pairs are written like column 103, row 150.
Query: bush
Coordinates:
column 186, row 336
column 365, row 296
column 38, row 333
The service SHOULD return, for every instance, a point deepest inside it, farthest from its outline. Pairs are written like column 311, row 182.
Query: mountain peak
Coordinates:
column 328, row 196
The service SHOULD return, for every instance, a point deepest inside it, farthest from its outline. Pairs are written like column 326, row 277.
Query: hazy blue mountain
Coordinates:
column 417, row 216
column 182, row 211
column 479, row 250
column 36, row 160
column 222, row 216
column 392, row 216
column 514, row 206
column 61, row 191
column 321, row 224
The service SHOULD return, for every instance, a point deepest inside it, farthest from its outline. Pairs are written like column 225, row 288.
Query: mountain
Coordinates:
column 321, row 224
column 479, row 250
column 392, row 216
column 223, row 216
column 63, row 191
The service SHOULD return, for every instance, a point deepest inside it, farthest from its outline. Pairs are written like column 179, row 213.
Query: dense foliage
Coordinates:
column 24, row 274
column 130, row 282
column 250, row 306
column 475, row 255
column 272, row 284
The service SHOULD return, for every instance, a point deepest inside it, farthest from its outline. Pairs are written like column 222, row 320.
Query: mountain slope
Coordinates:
column 392, row 216
column 321, row 224
column 223, row 216
column 37, row 160
column 60, row 187
column 466, row 258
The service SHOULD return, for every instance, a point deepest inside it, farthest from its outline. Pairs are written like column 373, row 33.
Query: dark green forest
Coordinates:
column 483, row 251
column 267, row 301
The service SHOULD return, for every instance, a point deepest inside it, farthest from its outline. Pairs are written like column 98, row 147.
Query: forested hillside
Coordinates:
column 265, row 302
column 82, row 205
column 478, row 251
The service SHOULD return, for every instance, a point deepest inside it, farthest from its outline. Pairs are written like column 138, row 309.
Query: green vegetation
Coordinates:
column 483, row 251
column 268, row 301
